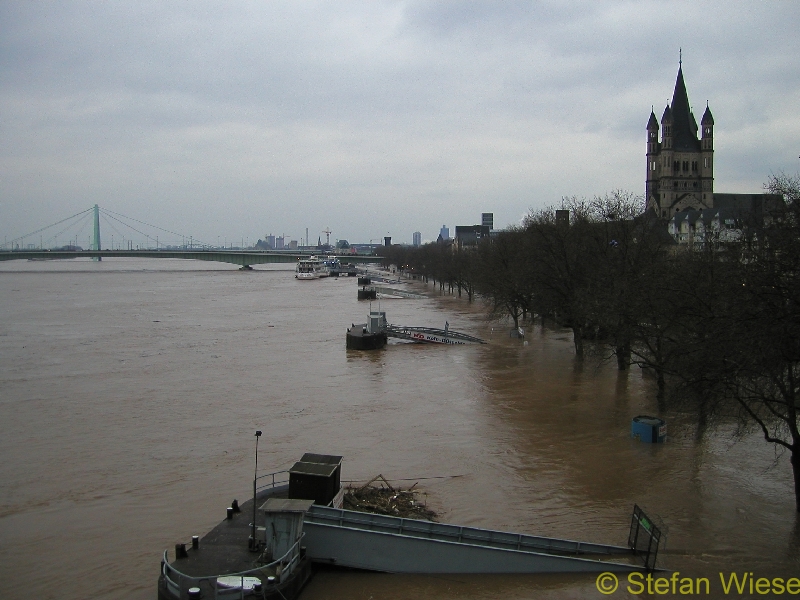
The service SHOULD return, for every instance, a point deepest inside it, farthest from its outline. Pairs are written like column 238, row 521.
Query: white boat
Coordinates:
column 310, row 268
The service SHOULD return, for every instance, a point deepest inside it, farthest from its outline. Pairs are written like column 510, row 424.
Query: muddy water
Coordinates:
column 130, row 391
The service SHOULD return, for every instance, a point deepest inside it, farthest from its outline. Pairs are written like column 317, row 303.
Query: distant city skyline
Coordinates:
column 373, row 119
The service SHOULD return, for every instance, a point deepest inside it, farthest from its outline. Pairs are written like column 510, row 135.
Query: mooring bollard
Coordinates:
column 180, row 551
column 194, row 592
column 230, row 513
column 195, row 542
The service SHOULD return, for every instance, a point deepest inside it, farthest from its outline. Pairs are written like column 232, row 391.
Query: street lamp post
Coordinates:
column 253, row 543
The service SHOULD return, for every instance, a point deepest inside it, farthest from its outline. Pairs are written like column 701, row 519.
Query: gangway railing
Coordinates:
column 644, row 537
column 460, row 534
column 397, row 545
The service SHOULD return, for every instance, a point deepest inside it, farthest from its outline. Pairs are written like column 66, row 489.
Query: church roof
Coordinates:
column 684, row 128
column 653, row 122
column 667, row 115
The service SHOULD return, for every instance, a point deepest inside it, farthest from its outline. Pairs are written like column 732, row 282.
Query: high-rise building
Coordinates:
column 680, row 167
column 444, row 232
column 487, row 220
column 416, row 238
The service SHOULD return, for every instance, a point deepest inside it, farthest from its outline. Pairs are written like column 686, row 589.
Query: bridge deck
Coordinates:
column 243, row 258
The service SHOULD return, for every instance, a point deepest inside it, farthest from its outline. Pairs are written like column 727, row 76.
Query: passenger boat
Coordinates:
column 310, row 268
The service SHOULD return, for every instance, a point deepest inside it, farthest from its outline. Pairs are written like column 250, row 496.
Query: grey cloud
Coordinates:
column 269, row 114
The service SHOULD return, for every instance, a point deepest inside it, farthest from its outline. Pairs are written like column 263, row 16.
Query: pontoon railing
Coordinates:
column 178, row 584
column 276, row 479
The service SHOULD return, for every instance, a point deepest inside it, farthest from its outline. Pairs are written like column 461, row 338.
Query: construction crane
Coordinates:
column 327, row 231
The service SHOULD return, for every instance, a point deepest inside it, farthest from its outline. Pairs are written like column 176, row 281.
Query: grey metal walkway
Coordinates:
column 431, row 335
column 387, row 291
column 391, row 544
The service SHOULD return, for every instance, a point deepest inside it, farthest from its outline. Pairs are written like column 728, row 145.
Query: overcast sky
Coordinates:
column 232, row 120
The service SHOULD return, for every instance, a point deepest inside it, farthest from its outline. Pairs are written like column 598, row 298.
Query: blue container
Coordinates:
column 649, row 429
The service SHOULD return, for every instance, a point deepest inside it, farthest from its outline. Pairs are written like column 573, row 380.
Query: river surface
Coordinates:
column 130, row 391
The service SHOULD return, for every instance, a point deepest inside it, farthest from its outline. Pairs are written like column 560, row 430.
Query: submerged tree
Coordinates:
column 746, row 343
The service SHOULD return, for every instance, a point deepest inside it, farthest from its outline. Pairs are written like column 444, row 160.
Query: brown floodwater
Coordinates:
column 130, row 391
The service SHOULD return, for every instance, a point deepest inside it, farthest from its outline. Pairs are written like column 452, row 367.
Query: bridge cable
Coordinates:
column 49, row 226
column 110, row 224
column 148, row 224
column 55, row 236
column 107, row 215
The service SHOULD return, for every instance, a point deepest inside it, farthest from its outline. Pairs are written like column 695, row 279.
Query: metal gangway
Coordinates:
column 397, row 545
column 431, row 335
column 389, row 292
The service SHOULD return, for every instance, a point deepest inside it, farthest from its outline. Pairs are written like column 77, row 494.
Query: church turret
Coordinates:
column 707, row 142
column 708, row 129
column 666, row 133
column 652, row 159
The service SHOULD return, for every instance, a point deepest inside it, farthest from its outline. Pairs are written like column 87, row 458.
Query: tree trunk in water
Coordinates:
column 702, row 424
column 795, row 460
column 623, row 353
column 662, row 388
column 577, row 336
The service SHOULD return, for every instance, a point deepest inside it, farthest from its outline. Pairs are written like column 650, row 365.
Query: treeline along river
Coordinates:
column 130, row 390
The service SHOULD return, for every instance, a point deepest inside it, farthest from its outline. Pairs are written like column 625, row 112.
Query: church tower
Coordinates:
column 680, row 168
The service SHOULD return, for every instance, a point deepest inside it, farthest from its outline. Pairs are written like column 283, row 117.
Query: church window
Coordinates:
column 706, row 162
column 676, row 166
column 694, row 166
column 685, row 166
column 652, row 165
column 708, row 130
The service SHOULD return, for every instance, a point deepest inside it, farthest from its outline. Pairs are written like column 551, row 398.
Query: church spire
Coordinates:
column 684, row 124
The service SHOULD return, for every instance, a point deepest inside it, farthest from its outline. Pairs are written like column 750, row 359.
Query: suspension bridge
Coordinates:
column 141, row 244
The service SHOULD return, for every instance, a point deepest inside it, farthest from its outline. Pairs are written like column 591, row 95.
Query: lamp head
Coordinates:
column 258, row 433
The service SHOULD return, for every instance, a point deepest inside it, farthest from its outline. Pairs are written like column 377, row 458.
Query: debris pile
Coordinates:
column 387, row 500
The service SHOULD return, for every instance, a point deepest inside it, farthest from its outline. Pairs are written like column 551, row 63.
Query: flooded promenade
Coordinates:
column 130, row 390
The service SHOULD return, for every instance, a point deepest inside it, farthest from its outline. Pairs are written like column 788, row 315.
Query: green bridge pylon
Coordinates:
column 96, row 240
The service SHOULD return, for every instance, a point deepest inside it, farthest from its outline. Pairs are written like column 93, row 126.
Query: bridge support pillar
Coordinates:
column 96, row 240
